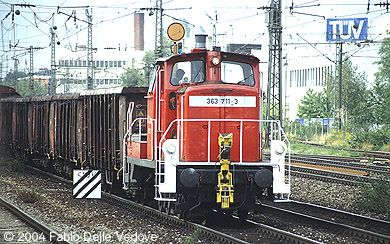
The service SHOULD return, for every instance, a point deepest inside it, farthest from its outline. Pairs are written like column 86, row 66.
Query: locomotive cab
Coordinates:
column 203, row 147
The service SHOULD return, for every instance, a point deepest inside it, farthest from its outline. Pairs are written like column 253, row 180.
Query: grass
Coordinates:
column 194, row 236
column 375, row 197
column 302, row 148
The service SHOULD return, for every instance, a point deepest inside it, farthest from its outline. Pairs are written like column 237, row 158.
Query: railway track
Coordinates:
column 372, row 154
column 259, row 231
column 315, row 168
column 252, row 231
column 331, row 170
column 40, row 233
column 342, row 162
column 349, row 227
column 344, row 170
column 339, row 223
column 328, row 176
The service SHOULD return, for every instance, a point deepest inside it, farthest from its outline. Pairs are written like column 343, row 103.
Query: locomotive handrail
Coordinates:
column 277, row 134
column 128, row 133
column 139, row 128
column 179, row 122
column 124, row 147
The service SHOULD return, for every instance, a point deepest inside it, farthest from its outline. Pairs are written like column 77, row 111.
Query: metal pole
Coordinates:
column 340, row 80
column 16, row 73
column 274, row 88
column 90, row 74
column 158, row 44
column 52, row 83
column 31, row 71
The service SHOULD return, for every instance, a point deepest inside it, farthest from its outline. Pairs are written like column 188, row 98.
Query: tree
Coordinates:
column 135, row 77
column 149, row 61
column 132, row 77
column 354, row 94
column 22, row 84
column 314, row 105
column 24, row 88
column 380, row 92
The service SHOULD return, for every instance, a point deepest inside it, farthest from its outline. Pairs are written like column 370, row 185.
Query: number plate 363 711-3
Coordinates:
column 222, row 101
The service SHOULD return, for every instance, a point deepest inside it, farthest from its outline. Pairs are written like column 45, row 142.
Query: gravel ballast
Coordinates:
column 100, row 222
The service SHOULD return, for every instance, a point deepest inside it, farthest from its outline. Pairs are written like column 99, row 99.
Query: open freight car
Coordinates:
column 77, row 131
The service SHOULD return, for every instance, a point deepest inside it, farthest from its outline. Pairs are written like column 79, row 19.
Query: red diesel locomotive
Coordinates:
column 200, row 145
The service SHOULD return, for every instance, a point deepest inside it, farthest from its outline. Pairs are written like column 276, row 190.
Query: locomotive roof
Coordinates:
column 198, row 51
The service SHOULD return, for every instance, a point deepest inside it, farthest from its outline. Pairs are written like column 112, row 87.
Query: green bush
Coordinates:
column 15, row 166
column 375, row 197
column 338, row 138
column 378, row 138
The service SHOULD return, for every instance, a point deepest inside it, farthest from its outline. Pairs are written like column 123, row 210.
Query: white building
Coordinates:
column 108, row 66
column 304, row 69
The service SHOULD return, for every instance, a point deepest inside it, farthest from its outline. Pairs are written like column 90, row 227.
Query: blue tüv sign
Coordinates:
column 349, row 29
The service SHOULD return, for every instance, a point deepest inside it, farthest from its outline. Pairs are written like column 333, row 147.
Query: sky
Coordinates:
column 304, row 23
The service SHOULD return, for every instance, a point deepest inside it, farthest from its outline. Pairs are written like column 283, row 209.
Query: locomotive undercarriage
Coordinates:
column 203, row 196
column 190, row 202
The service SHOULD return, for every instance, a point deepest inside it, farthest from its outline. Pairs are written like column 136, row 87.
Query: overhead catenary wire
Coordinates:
column 40, row 9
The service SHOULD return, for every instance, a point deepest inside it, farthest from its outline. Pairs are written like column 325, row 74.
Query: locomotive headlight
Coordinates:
column 279, row 149
column 215, row 61
column 171, row 149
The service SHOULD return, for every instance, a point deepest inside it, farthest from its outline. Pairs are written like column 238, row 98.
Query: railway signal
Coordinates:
column 87, row 184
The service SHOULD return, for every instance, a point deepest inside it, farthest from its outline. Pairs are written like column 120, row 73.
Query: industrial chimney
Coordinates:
column 139, row 31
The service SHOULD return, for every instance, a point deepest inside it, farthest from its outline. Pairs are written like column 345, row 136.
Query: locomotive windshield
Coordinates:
column 237, row 73
column 188, row 72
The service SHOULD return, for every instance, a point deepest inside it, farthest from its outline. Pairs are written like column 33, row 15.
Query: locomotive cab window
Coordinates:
column 188, row 72
column 237, row 73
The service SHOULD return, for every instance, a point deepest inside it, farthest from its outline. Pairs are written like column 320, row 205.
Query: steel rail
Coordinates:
column 328, row 174
column 370, row 222
column 53, row 236
column 203, row 230
column 377, row 154
column 340, row 164
column 286, row 236
column 324, row 178
column 363, row 233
